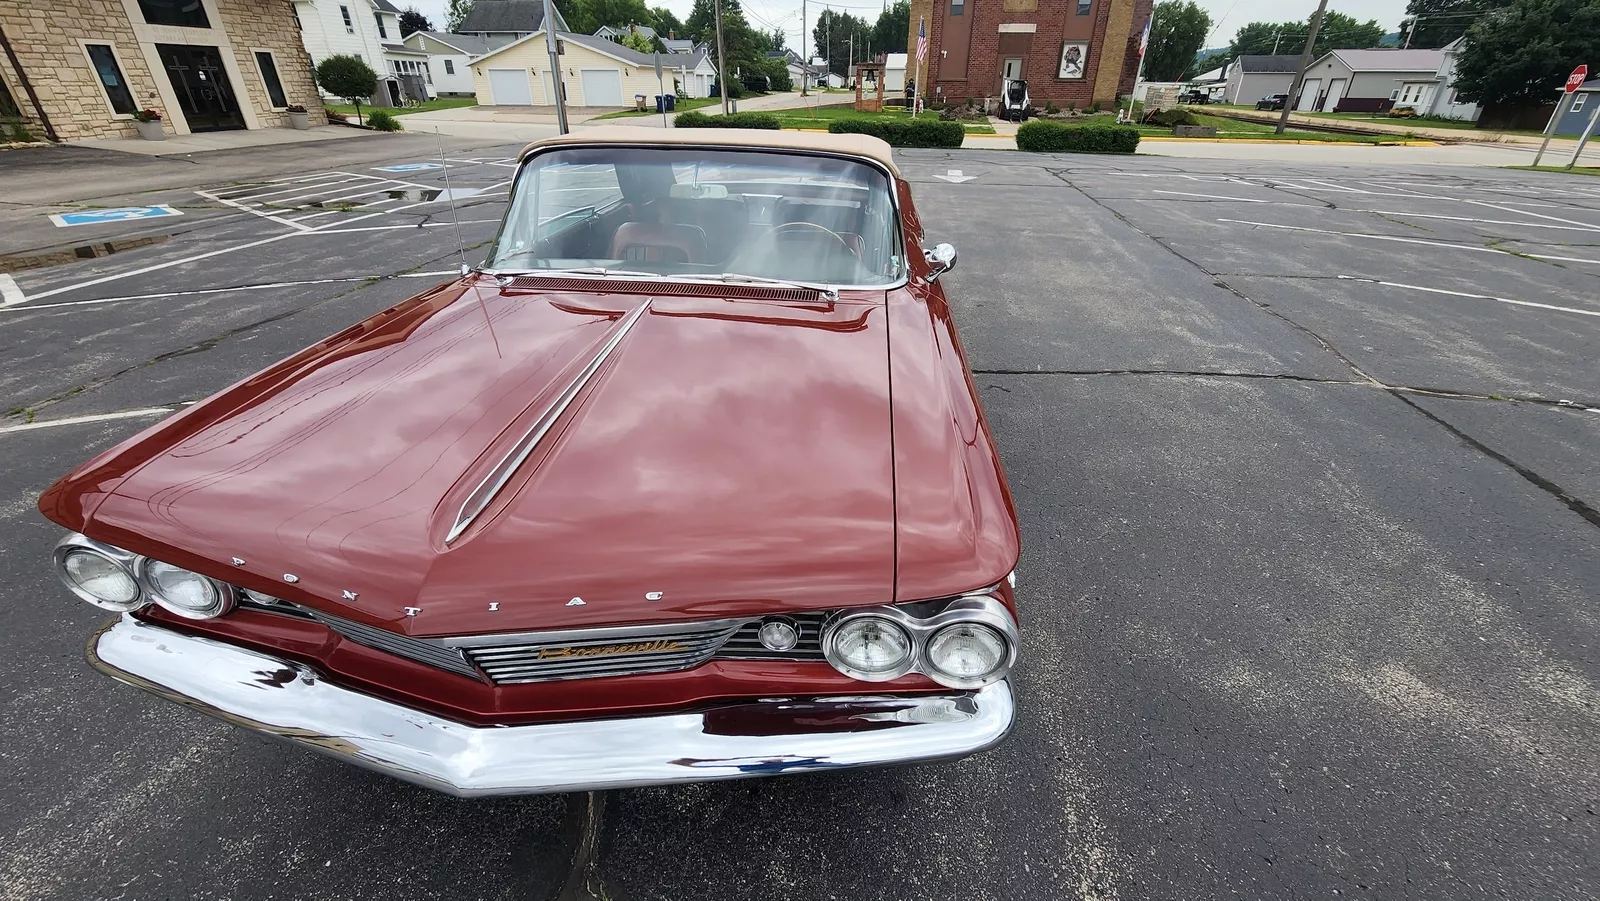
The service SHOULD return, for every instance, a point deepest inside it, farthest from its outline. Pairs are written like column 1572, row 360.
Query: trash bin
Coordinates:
column 638, row 102
column 672, row 102
column 661, row 104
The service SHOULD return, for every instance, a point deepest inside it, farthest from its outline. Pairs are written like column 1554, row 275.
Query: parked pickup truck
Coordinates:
column 1272, row 101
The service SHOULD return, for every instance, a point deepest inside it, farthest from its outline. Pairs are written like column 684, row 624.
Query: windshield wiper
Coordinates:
column 754, row 279
column 579, row 270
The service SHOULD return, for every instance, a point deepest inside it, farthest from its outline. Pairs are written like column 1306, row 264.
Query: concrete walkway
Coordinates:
column 1402, row 127
column 237, row 139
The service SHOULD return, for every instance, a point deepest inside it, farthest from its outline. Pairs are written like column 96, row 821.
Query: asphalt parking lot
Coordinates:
column 1305, row 456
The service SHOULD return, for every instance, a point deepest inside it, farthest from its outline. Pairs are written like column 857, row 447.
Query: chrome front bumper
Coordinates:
column 733, row 741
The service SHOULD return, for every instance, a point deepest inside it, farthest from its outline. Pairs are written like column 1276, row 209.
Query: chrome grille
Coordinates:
column 419, row 649
column 587, row 653
column 745, row 644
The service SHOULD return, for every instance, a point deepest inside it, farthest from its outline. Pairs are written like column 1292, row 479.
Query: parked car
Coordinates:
column 630, row 503
column 1194, row 97
column 1272, row 101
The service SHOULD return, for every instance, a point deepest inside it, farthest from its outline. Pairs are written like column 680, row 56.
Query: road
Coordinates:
column 1304, row 455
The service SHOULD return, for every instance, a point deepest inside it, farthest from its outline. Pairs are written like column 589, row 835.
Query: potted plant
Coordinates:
column 148, row 121
column 298, row 117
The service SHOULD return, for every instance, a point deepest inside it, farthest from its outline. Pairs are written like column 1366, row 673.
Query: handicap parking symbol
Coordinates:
column 408, row 167
column 121, row 214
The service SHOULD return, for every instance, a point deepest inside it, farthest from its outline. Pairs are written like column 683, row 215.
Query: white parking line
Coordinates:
column 1217, row 197
column 9, row 292
column 1580, row 228
column 77, row 420
column 230, row 290
column 1509, row 300
column 1401, row 240
column 1503, row 209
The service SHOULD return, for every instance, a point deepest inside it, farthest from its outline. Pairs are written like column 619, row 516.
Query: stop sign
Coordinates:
column 1575, row 80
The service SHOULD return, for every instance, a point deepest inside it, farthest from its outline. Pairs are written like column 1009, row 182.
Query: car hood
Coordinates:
column 726, row 458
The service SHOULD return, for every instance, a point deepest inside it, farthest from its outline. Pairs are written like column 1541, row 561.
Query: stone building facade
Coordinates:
column 78, row 69
column 1077, row 52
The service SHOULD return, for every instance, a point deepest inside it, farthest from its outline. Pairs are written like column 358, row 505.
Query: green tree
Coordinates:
column 635, row 40
column 702, row 22
column 1178, row 28
column 777, row 43
column 833, row 34
column 455, row 12
column 893, row 28
column 666, row 24
column 1438, row 22
column 1337, row 32
column 343, row 75
column 1523, row 52
column 412, row 21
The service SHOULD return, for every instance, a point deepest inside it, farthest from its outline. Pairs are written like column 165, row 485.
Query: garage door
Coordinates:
column 601, row 87
column 509, row 87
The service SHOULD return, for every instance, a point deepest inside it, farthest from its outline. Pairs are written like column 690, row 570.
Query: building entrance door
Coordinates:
column 204, row 93
column 1010, row 69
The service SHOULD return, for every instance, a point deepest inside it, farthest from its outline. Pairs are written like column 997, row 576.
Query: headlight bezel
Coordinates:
column 76, row 543
column 225, row 594
column 832, row 634
column 978, row 608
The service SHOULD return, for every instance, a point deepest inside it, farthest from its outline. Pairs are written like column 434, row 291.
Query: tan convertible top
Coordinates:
column 763, row 139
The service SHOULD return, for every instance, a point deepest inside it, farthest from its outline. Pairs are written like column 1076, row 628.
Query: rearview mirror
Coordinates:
column 942, row 258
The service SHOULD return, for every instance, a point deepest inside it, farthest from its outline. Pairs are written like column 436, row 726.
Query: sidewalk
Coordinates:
column 205, row 142
column 1400, row 127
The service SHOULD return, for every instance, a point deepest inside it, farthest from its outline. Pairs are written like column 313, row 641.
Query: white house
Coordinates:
column 369, row 29
column 448, row 57
column 595, row 72
column 696, row 72
column 1371, row 81
column 1444, row 100
column 615, row 33
column 894, row 73
column 507, row 20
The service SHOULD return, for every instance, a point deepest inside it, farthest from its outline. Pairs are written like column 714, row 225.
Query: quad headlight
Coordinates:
column 869, row 647
column 968, row 643
column 119, row 580
column 188, row 594
column 98, row 573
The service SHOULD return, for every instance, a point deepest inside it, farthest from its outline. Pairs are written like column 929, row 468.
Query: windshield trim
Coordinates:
column 894, row 200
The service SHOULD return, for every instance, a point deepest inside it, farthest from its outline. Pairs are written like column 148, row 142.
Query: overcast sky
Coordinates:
column 1227, row 16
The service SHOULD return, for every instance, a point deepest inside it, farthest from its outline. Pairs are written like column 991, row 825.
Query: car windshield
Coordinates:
column 696, row 213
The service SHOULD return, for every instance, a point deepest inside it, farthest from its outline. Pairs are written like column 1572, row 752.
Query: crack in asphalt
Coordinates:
column 1588, row 513
column 585, row 820
column 29, row 411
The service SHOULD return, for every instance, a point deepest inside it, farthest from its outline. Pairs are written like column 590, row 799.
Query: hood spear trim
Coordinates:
column 485, row 493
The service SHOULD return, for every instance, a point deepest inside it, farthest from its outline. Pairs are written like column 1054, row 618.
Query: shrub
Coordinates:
column 1170, row 117
column 334, row 115
column 1056, row 137
column 903, row 132
column 735, row 89
column 378, row 120
column 697, row 119
column 343, row 75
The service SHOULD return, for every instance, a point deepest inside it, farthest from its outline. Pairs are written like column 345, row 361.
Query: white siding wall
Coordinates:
column 532, row 54
column 443, row 82
column 322, row 29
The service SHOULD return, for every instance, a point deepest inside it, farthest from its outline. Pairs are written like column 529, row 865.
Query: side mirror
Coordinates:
column 942, row 258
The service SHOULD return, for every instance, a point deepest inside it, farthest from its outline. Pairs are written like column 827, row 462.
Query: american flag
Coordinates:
column 1144, row 39
column 922, row 41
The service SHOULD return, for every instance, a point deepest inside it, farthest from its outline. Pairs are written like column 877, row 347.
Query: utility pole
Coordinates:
column 1410, row 30
column 555, row 67
column 805, row 58
column 1300, row 71
column 1275, row 39
column 722, row 66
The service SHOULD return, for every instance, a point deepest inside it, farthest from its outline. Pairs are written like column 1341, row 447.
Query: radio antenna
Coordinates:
column 461, row 247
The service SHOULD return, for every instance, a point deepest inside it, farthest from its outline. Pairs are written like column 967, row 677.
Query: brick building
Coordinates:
column 1069, row 51
column 78, row 69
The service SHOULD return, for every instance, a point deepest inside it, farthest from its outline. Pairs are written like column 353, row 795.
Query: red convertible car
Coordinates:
column 687, row 481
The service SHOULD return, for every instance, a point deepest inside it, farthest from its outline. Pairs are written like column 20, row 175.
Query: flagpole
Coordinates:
column 922, row 54
column 1144, row 41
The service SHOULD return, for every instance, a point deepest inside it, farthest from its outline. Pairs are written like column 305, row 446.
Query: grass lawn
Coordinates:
column 1236, row 128
column 1575, row 170
column 820, row 116
column 437, row 103
column 650, row 108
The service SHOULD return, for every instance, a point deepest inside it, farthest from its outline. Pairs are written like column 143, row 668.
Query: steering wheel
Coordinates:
column 749, row 259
